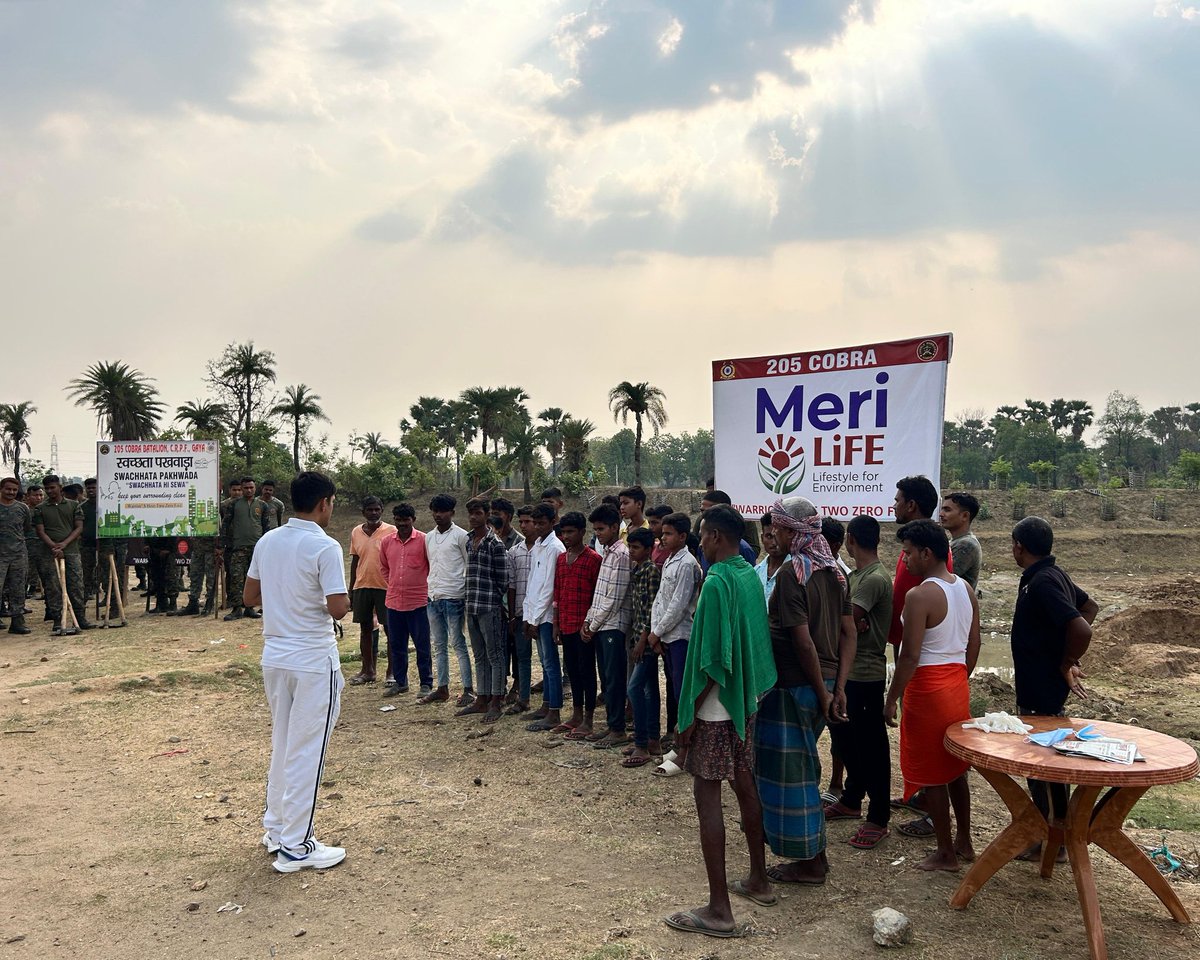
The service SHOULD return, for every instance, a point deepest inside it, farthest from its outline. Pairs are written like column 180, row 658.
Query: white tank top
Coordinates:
column 947, row 642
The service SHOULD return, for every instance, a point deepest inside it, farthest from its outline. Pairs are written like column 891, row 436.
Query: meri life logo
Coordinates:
column 781, row 464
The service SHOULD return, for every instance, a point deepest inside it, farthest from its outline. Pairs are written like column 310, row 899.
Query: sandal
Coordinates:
column 541, row 726
column 668, row 768
column 921, row 828
column 775, row 875
column 578, row 734
column 563, row 728
column 691, row 922
column 632, row 762
column 465, row 699
column 868, row 838
column 610, row 744
column 437, row 696
column 516, row 709
column 839, row 811
column 739, row 887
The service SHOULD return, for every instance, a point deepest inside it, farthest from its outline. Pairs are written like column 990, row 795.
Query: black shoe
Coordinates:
column 253, row 614
column 207, row 611
column 191, row 610
column 18, row 626
column 235, row 614
column 86, row 625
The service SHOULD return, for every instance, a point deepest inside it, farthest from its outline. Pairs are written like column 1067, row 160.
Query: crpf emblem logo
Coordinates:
column 728, row 371
column 105, row 449
column 927, row 350
column 781, row 464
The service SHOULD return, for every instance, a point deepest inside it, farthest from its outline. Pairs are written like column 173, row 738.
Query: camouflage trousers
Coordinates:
column 48, row 570
column 13, row 569
column 203, row 571
column 239, row 563
column 165, row 578
column 88, row 554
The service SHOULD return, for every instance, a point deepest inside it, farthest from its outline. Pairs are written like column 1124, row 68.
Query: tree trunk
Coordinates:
column 528, row 492
column 637, row 451
column 296, row 446
column 246, row 437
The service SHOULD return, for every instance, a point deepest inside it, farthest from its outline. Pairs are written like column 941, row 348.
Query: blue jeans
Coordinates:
column 645, row 700
column 446, row 627
column 402, row 624
column 611, row 655
column 552, row 691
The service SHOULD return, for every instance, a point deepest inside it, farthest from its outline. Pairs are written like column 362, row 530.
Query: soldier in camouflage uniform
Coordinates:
column 114, row 547
column 15, row 525
column 165, row 580
column 274, row 507
column 34, row 494
column 245, row 523
column 59, row 524
column 206, row 554
column 87, row 543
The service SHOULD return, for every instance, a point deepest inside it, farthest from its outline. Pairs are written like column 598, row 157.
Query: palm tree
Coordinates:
column 15, row 432
column 458, row 430
column 368, row 444
column 575, row 435
column 428, row 412
column 299, row 405
column 248, row 371
column 553, row 417
column 124, row 401
column 643, row 401
column 205, row 419
column 491, row 405
column 1082, row 416
column 523, row 442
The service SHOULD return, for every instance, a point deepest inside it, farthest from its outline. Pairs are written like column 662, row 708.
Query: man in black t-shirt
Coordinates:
column 1051, row 630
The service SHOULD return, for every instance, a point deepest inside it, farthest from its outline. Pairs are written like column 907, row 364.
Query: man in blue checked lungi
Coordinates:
column 814, row 640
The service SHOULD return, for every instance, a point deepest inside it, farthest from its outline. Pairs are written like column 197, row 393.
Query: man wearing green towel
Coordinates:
column 729, row 666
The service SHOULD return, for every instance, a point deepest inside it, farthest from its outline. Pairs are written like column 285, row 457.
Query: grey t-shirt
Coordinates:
column 968, row 558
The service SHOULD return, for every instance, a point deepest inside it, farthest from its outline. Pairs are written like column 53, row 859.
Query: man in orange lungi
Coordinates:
column 937, row 655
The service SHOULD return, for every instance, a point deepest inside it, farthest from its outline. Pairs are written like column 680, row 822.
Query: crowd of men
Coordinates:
column 759, row 655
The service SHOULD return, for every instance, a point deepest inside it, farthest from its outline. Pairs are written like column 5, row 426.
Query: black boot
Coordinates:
column 18, row 625
column 192, row 608
column 160, row 606
column 208, row 608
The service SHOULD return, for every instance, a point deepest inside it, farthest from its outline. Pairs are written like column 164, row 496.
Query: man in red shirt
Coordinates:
column 405, row 566
column 574, row 585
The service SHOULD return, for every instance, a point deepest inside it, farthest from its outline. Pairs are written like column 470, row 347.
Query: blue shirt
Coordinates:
column 768, row 581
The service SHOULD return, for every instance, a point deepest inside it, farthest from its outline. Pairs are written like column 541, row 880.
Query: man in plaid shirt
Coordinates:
column 643, row 685
column 574, row 583
column 607, row 622
column 519, row 641
column 487, row 585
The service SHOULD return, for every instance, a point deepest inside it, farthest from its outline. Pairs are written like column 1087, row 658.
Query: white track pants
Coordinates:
column 304, row 708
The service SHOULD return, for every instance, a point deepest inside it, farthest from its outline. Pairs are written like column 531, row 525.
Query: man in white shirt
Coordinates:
column 539, row 616
column 446, row 548
column 298, row 575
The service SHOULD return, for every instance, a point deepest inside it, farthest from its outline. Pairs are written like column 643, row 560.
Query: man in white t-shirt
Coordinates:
column 297, row 574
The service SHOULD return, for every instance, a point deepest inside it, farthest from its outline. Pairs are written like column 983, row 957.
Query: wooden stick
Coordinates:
column 218, row 594
column 103, row 596
column 66, row 598
column 112, row 566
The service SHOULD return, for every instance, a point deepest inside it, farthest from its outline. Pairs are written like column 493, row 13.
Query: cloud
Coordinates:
column 383, row 41
column 151, row 56
column 1046, row 140
column 632, row 56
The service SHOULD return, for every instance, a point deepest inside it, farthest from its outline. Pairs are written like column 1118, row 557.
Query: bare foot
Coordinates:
column 940, row 861
column 811, row 872
column 964, row 850
column 701, row 919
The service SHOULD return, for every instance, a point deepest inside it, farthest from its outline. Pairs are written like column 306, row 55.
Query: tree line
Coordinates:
column 1043, row 443
column 270, row 431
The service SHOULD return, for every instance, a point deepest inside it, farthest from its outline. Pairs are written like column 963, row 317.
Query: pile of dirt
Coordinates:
column 1145, row 641
column 991, row 694
column 1180, row 592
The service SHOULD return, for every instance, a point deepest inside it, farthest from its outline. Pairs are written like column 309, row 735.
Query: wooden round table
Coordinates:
column 1090, row 817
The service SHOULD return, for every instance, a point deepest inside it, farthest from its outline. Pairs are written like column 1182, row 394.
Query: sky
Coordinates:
column 406, row 199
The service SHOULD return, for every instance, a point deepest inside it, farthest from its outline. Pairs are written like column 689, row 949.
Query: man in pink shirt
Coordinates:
column 368, row 588
column 405, row 567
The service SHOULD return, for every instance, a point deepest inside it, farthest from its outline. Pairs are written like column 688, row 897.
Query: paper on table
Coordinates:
column 1114, row 751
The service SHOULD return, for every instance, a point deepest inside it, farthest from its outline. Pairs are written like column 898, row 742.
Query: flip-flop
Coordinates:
column 610, row 744
column 577, row 735
column 541, row 726
column 921, row 828
column 868, row 838
column 776, row 876
column 688, row 922
column 668, row 768
column 670, row 755
column 632, row 763
column 515, row 710
column 739, row 887
column 829, row 797
column 839, row 811
column 563, row 728
column 596, row 736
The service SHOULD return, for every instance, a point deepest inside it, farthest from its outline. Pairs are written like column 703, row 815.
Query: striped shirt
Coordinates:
column 610, row 609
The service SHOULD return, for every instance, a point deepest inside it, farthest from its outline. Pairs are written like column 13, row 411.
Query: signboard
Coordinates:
column 158, row 488
column 839, row 426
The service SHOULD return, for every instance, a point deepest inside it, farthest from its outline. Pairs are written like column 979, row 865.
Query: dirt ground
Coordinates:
column 132, row 767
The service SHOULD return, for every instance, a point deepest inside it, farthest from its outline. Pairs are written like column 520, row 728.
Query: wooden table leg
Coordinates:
column 1027, row 828
column 1079, row 824
column 1106, row 833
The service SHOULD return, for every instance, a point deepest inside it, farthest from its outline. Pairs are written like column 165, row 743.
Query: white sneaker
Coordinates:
column 320, row 857
column 271, row 845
